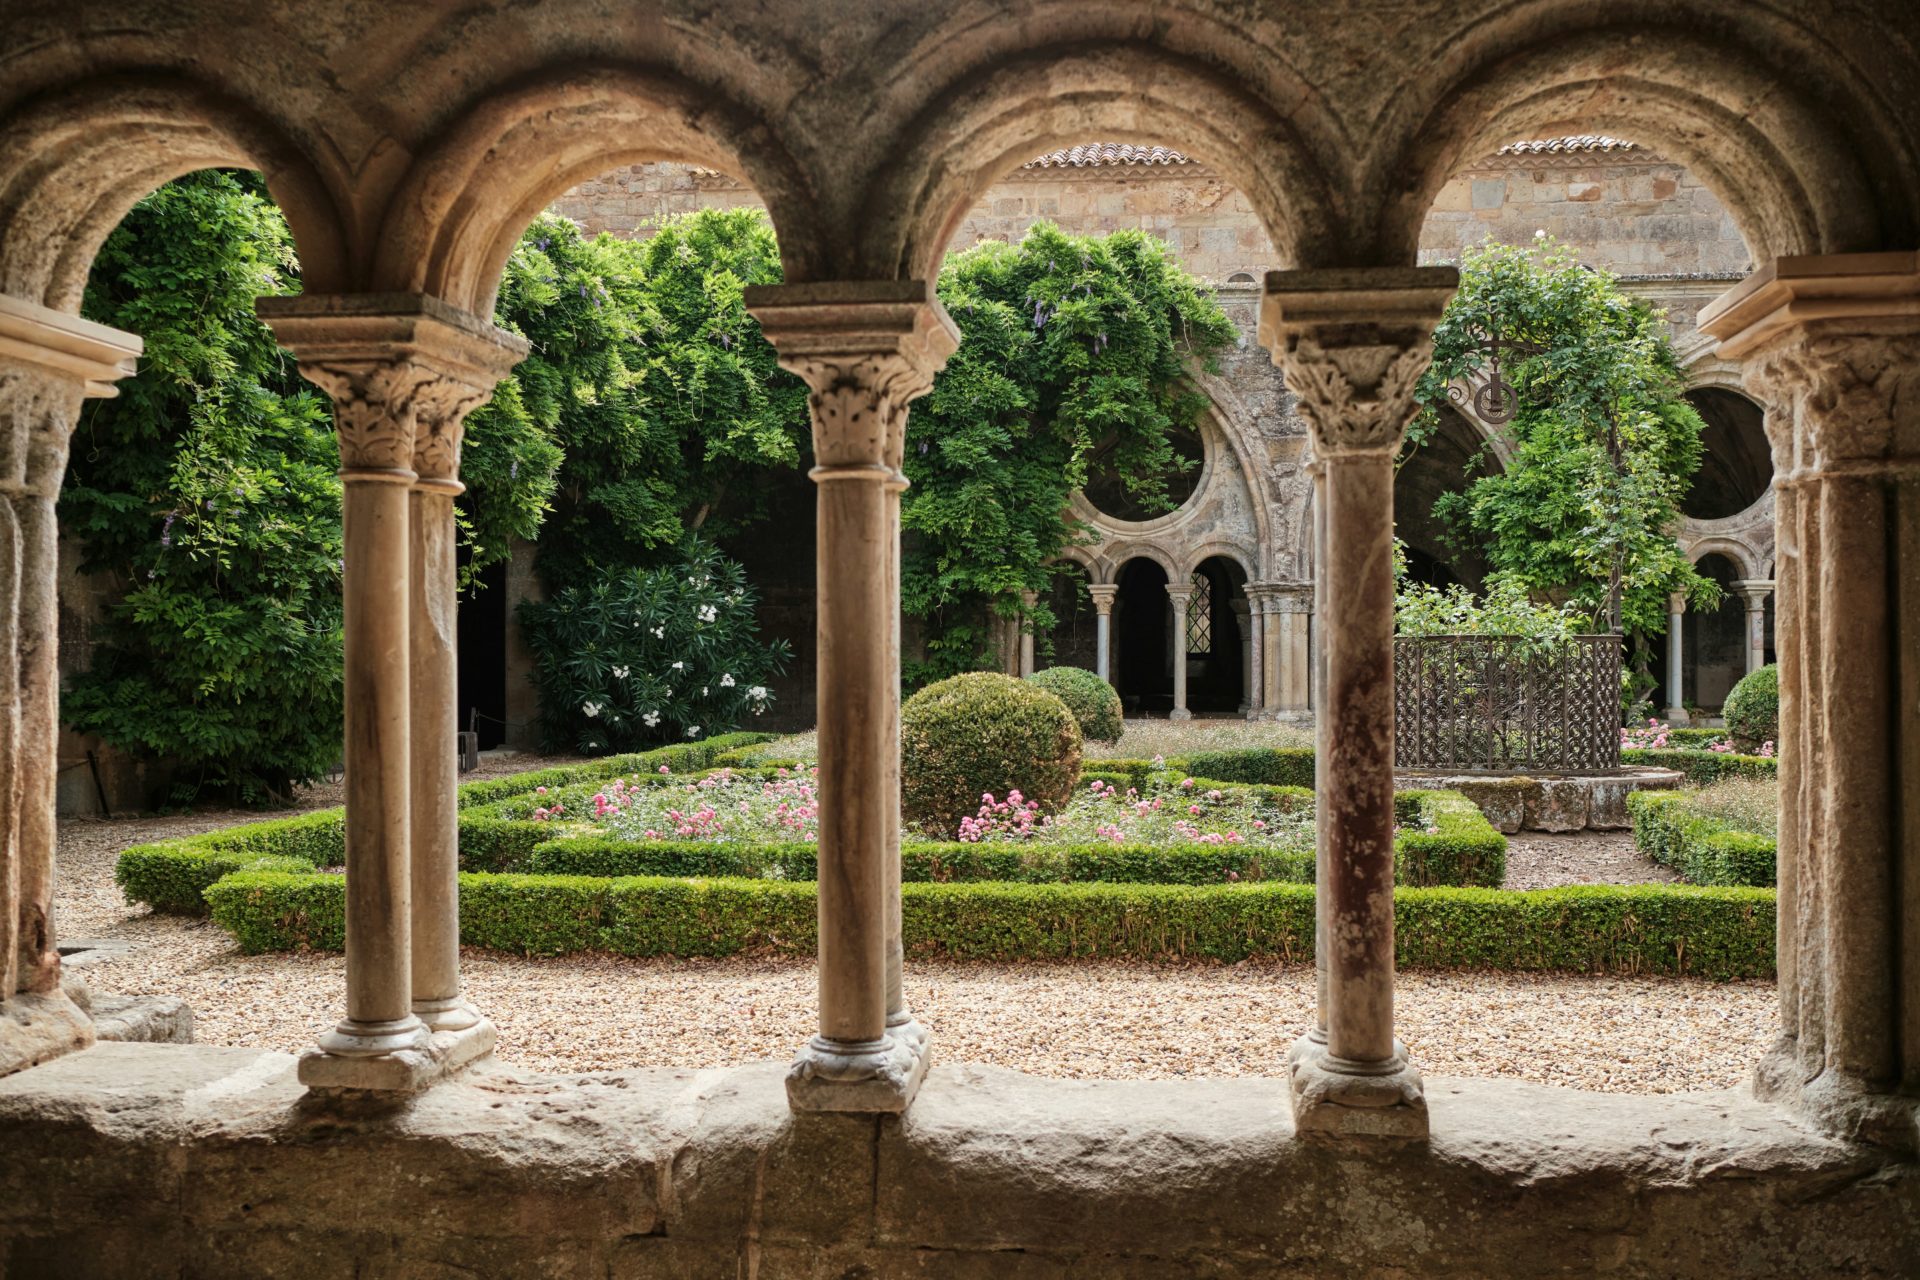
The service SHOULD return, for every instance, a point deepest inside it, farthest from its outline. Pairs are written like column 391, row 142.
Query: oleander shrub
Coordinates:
column 1724, row 834
column 983, row 733
column 1095, row 703
column 1752, row 709
column 1714, row 933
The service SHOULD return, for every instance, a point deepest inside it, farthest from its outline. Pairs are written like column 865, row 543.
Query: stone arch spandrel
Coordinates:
column 74, row 160
column 464, row 205
column 1748, row 559
column 994, row 115
column 1117, row 554
column 1786, row 156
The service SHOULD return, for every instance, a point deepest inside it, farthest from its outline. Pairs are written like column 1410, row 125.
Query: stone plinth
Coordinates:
column 159, row 1160
column 1550, row 802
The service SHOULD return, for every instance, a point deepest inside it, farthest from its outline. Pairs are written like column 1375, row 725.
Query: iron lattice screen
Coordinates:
column 1494, row 704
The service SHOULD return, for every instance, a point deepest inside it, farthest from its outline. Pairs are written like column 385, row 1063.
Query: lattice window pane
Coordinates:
column 1200, row 615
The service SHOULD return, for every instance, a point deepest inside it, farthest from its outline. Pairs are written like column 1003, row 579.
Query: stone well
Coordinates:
column 1551, row 802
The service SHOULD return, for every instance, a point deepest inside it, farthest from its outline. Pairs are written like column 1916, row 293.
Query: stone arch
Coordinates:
column 1753, row 128
column 515, row 148
column 1240, row 556
column 999, row 111
column 75, row 159
column 1735, row 550
column 1235, row 426
column 1099, row 569
column 1117, row 554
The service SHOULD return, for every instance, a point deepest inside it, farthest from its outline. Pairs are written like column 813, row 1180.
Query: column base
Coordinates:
column 1678, row 717
column 871, row 1077
column 429, row 1058
column 451, row 1013
column 38, row 1027
column 1842, row 1105
column 1179, row 713
column 1356, row 1099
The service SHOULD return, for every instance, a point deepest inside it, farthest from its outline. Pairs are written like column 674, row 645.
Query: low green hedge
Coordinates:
column 1273, row 766
column 171, row 875
column 681, row 758
column 1449, row 843
column 1718, row 933
column 1704, row 850
column 1702, row 767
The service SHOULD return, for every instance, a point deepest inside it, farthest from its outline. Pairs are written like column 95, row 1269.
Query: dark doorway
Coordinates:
column 1140, row 633
column 1215, row 653
column 482, row 625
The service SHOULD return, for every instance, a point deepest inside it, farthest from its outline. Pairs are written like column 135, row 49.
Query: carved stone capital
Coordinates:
column 1830, row 344
column 49, row 363
column 403, row 371
column 1353, row 344
column 1103, row 595
column 867, row 349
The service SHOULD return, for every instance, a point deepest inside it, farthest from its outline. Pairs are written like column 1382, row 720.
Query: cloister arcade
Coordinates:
column 409, row 147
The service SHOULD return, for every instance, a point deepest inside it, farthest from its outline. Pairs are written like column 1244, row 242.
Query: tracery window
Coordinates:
column 1200, row 615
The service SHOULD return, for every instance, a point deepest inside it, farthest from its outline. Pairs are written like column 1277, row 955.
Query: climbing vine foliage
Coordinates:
column 1069, row 344
column 1604, row 442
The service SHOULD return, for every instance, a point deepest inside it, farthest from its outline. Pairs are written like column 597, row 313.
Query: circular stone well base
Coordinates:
column 1550, row 802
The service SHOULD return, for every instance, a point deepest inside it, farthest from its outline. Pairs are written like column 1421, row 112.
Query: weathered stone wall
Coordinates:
column 135, row 1161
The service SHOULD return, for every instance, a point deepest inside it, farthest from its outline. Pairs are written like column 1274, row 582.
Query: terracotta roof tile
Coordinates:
column 1578, row 142
column 1091, row 154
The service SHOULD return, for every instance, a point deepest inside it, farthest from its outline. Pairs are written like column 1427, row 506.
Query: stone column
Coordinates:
column 1293, row 656
column 867, row 349
column 402, row 370
column 1831, row 348
column 1256, row 593
column 50, row 362
column 1103, row 595
column 1027, row 600
column 1755, row 592
column 1676, row 656
column 1177, row 599
column 1353, row 344
column 1243, row 620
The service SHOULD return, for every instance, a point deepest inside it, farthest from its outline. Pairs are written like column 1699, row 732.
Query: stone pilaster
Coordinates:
column 1831, row 347
column 1258, row 606
column 403, row 370
column 50, row 363
column 867, row 349
column 1353, row 344
column 1103, row 596
column 1291, row 604
column 1243, row 624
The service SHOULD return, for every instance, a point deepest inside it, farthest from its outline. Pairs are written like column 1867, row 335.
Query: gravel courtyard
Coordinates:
column 1085, row 1020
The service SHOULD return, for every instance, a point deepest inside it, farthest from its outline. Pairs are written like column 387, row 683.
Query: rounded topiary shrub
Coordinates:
column 979, row 733
column 1094, row 702
column 1752, row 710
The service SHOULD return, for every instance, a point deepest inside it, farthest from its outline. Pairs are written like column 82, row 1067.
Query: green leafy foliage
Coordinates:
column 1604, row 442
column 1701, row 766
column 1069, row 344
column 1095, row 703
column 639, row 656
column 1752, row 709
column 982, row 732
column 648, row 368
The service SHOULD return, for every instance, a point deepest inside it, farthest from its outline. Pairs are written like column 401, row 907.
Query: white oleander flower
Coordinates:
column 620, row 673
column 659, row 633
column 703, row 691
column 679, row 666
column 726, row 682
column 708, row 613
column 693, row 731
column 758, row 693
column 651, row 718
column 590, row 709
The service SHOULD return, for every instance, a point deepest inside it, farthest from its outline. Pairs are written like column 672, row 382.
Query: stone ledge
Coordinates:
column 1548, row 802
column 138, row 1160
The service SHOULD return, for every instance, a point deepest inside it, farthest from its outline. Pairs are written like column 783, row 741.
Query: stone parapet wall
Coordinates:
column 161, row 1160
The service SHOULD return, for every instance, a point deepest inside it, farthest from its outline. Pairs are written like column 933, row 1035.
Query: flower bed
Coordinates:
column 1662, row 929
column 1724, row 834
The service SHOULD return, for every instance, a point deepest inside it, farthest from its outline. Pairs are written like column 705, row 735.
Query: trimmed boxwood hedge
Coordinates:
column 1273, row 766
column 1704, row 850
column 1702, row 767
column 1717, row 933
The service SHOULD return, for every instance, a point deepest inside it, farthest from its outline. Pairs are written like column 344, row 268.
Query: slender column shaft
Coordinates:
column 1355, row 782
column 1676, row 668
column 37, row 761
column 1314, row 674
column 1257, row 655
column 1178, row 599
column 1756, row 635
column 1103, row 595
column 1027, row 601
column 1243, row 617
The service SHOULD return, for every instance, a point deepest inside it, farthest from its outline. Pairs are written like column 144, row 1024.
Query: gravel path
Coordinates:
column 1541, row 860
column 1087, row 1020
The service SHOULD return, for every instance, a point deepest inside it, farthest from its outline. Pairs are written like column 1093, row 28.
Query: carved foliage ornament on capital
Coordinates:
column 1356, row 397
column 1840, row 397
